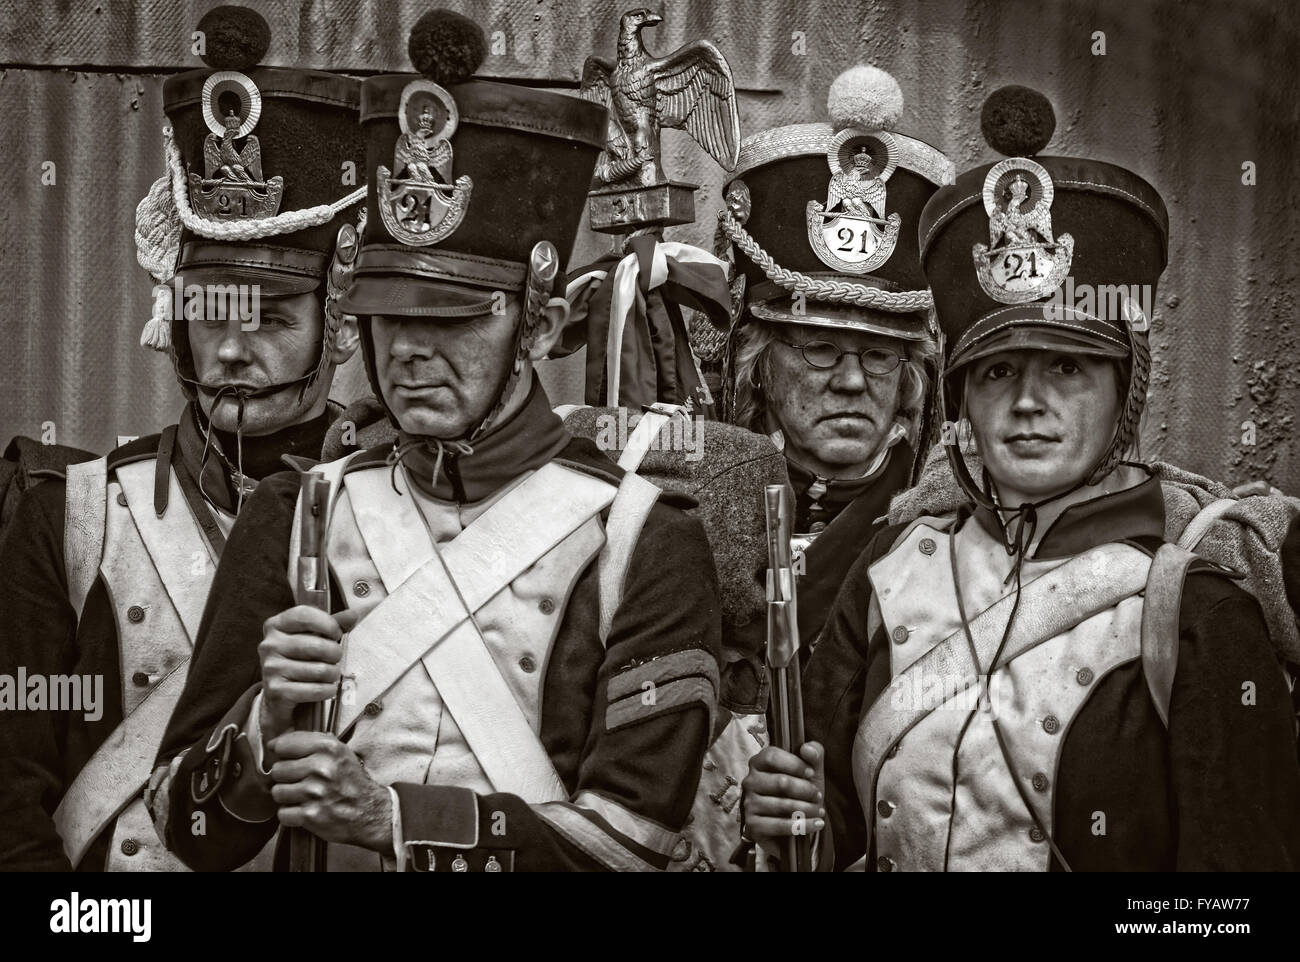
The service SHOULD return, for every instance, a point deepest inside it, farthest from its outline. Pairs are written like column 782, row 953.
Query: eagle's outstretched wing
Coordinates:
column 1040, row 219
column 834, row 192
column 596, row 88
column 694, row 92
column 211, row 155
column 873, row 192
column 251, row 158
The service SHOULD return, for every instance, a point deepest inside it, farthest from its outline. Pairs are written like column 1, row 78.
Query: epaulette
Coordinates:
column 36, row 460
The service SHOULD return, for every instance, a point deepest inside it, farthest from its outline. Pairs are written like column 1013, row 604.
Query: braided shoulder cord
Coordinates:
column 284, row 223
column 821, row 289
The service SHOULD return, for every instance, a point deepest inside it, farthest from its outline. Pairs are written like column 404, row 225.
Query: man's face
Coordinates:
column 833, row 420
column 286, row 341
column 438, row 378
column 1042, row 419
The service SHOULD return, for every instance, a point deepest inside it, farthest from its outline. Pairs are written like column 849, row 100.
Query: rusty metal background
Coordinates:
column 1185, row 94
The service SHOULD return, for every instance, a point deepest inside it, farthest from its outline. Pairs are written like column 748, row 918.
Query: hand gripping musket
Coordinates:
column 783, row 652
column 307, row 851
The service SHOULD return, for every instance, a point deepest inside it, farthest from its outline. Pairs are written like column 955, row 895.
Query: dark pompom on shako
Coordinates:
column 446, row 47
column 235, row 38
column 1017, row 121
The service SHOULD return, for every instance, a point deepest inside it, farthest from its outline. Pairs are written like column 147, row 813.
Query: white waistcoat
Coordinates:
column 926, row 818
column 157, row 572
column 407, row 735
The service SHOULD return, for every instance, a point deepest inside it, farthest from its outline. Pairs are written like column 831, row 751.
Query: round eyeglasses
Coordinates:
column 824, row 355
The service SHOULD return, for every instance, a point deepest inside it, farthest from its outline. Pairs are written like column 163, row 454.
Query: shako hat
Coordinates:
column 466, row 178
column 1053, row 253
column 475, row 190
column 828, row 211
column 264, row 179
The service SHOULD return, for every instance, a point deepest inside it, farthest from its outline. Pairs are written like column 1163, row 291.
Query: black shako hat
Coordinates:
column 1044, row 252
column 465, row 178
column 829, row 211
column 263, row 180
column 273, row 161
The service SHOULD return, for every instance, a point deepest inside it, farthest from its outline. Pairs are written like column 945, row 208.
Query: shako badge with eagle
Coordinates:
column 1022, row 261
column 419, row 203
column 232, row 186
column 851, row 232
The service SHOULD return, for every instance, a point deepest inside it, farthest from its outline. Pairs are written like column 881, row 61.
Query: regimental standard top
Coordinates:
column 691, row 89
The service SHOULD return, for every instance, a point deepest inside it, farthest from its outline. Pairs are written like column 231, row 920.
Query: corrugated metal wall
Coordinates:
column 1185, row 93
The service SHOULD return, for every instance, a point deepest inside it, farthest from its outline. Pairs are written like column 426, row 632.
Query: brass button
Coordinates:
column 135, row 614
column 373, row 708
column 546, row 606
column 236, row 769
column 1039, row 781
column 1036, row 834
column 130, row 846
column 121, row 499
column 885, row 864
column 899, row 635
column 527, row 664
column 1051, row 725
column 361, row 588
column 884, row 809
column 1084, row 676
column 816, row 526
column 927, row 546
column 140, row 678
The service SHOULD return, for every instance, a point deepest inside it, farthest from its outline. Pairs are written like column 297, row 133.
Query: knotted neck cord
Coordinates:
column 208, row 446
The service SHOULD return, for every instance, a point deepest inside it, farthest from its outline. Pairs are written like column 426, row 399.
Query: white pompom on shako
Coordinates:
column 865, row 97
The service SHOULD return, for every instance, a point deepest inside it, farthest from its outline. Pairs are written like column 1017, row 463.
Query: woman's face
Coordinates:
column 1042, row 419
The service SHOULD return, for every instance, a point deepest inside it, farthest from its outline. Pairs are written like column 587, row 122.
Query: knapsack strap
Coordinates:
column 1200, row 525
column 1160, row 616
column 632, row 504
column 646, row 431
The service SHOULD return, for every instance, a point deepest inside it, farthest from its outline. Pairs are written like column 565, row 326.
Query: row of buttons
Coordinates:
column 1039, row 780
column 900, row 634
column 361, row 589
column 886, row 864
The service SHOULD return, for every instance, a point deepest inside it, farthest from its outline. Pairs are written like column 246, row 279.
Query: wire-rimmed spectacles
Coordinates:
column 824, row 355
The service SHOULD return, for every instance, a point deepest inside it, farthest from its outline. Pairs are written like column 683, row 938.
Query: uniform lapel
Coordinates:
column 175, row 543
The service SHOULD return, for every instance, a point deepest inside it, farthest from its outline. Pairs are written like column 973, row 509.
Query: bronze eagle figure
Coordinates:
column 691, row 89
